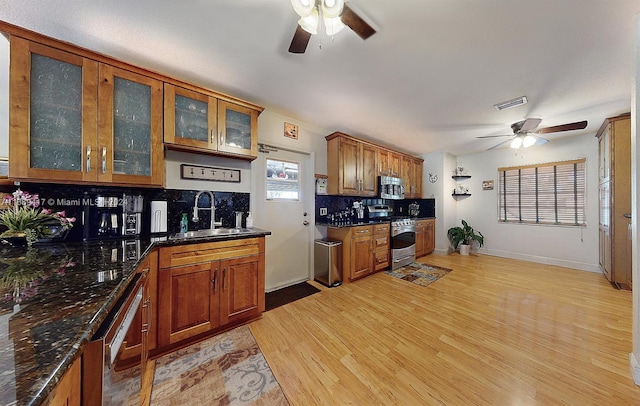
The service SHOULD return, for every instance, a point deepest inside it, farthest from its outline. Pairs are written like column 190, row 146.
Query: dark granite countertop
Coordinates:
column 365, row 223
column 52, row 300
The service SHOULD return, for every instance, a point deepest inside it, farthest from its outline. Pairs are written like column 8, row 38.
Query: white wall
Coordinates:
column 574, row 247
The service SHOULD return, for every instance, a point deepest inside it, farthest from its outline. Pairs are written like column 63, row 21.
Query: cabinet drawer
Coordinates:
column 358, row 232
column 206, row 252
column 381, row 229
column 381, row 241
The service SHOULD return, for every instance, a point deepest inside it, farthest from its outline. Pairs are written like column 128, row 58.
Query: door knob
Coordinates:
column 306, row 223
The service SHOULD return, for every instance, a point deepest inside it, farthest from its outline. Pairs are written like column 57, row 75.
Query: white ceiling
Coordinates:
column 426, row 81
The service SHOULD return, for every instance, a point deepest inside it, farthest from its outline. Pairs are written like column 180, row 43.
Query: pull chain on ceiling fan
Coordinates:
column 525, row 133
column 334, row 15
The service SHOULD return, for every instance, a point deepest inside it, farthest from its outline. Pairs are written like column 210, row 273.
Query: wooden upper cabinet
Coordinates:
column 73, row 119
column 199, row 122
column 52, row 115
column 238, row 129
column 412, row 176
column 351, row 166
column 130, row 128
column 190, row 118
column 388, row 162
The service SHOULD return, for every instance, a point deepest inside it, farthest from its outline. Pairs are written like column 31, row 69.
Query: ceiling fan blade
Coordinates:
column 300, row 40
column 578, row 125
column 495, row 136
column 500, row 144
column 356, row 23
column 530, row 124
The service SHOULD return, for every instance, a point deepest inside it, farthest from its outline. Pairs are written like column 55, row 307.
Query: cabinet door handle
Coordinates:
column 221, row 138
column 214, row 280
column 104, row 159
column 88, row 158
column 213, row 136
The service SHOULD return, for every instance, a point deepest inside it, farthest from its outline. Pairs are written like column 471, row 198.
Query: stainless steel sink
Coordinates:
column 210, row 233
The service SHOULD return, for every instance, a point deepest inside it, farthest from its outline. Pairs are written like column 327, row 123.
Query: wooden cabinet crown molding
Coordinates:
column 10, row 30
column 610, row 120
column 366, row 142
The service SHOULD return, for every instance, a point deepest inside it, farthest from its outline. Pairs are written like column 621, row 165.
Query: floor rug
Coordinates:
column 420, row 274
column 228, row 369
column 289, row 294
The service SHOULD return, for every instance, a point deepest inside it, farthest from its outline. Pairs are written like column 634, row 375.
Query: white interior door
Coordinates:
column 282, row 192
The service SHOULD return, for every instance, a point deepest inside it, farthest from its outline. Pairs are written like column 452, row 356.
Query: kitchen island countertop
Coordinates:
column 53, row 297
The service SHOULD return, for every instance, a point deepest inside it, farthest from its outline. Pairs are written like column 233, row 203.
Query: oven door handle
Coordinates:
column 123, row 328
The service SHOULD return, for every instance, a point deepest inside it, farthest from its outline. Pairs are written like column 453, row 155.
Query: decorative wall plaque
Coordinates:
column 210, row 173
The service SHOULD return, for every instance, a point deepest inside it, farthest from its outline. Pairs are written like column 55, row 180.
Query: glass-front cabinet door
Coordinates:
column 53, row 112
column 130, row 122
column 237, row 133
column 190, row 118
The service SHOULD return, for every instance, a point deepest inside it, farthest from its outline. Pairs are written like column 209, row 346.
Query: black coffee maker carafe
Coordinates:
column 102, row 216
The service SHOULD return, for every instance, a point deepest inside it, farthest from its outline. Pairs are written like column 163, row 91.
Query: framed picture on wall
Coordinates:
column 291, row 130
column 487, row 184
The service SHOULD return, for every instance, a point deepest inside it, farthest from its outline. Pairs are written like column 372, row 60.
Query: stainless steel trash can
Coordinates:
column 328, row 262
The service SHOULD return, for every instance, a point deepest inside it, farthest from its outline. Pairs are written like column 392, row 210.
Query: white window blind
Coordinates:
column 550, row 193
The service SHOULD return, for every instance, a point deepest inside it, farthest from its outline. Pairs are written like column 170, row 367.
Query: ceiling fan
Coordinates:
column 525, row 133
column 333, row 13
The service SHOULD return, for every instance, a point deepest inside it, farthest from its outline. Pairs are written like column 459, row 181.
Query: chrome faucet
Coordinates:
column 212, row 209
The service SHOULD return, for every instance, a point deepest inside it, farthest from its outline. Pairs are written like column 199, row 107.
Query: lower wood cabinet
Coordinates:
column 425, row 237
column 365, row 249
column 381, row 249
column 207, row 287
column 67, row 393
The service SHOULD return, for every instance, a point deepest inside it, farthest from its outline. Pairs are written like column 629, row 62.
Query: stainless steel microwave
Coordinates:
column 390, row 187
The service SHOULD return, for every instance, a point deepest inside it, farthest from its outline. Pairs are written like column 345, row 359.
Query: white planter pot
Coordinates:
column 464, row 249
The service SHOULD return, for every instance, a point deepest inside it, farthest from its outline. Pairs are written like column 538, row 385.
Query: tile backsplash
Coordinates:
column 70, row 198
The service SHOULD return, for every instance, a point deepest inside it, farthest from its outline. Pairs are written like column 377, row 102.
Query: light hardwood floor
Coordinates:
column 494, row 331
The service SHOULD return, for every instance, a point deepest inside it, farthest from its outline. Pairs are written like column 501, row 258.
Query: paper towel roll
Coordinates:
column 158, row 216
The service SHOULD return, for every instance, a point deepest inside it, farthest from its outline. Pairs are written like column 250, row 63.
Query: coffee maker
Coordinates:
column 132, row 215
column 110, row 216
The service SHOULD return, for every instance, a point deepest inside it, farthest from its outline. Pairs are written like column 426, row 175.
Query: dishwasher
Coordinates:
column 103, row 382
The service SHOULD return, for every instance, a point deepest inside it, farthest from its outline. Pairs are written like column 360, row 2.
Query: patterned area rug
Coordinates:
column 420, row 274
column 227, row 369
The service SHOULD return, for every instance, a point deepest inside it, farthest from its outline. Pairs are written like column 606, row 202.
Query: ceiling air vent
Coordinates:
column 518, row 101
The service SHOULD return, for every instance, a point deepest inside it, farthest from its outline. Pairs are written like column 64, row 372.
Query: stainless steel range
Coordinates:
column 403, row 242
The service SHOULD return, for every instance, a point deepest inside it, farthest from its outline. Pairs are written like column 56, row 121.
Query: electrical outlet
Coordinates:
column 323, row 211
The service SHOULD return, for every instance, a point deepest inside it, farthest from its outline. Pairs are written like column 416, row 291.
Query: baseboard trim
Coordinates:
column 635, row 368
column 582, row 266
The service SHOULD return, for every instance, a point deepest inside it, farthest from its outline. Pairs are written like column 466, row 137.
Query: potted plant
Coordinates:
column 462, row 237
column 21, row 215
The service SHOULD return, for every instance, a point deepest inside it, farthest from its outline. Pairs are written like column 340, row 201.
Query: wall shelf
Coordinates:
column 460, row 177
column 460, row 194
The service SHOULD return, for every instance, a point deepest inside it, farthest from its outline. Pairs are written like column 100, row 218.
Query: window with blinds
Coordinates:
column 551, row 193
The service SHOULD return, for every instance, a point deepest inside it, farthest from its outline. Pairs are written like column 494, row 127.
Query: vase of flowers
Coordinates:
column 25, row 220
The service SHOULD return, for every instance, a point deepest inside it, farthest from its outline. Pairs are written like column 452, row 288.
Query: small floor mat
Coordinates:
column 289, row 294
column 420, row 274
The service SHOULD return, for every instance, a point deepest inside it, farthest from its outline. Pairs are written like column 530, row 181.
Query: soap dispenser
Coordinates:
column 184, row 223
column 249, row 220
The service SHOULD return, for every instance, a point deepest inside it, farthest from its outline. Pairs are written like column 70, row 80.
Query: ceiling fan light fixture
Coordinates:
column 332, row 8
column 528, row 141
column 310, row 22
column 517, row 142
column 303, row 7
column 332, row 25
